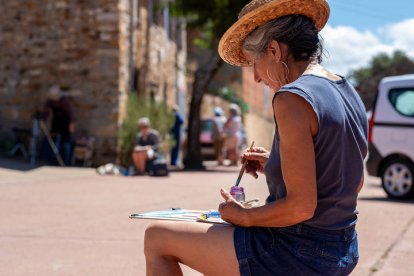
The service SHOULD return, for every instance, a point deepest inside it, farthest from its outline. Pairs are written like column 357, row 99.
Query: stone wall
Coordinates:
column 161, row 72
column 93, row 50
column 259, row 129
column 126, row 40
column 73, row 44
column 259, row 121
column 156, row 57
column 257, row 95
column 208, row 104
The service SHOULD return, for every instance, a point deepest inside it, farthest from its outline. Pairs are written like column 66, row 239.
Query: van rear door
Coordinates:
column 393, row 129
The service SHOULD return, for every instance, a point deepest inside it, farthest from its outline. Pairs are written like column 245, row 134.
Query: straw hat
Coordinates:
column 258, row 12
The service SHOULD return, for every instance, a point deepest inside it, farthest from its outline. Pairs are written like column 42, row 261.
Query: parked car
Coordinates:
column 391, row 136
column 206, row 140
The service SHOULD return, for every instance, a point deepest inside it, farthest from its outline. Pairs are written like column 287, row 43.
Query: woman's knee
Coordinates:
column 154, row 236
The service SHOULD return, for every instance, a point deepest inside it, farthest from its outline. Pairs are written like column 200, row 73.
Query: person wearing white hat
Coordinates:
column 314, row 170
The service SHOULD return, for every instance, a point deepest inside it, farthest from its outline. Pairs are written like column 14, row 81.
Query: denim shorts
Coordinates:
column 296, row 250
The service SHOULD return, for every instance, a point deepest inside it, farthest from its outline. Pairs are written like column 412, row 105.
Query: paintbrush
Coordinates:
column 243, row 167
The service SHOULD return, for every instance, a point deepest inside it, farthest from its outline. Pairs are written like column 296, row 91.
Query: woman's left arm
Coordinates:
column 297, row 125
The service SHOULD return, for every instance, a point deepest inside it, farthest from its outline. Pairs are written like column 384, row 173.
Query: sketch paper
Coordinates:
column 178, row 215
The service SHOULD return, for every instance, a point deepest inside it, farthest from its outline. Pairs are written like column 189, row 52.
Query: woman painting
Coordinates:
column 314, row 170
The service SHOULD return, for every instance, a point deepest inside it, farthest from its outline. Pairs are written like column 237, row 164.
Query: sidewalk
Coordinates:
column 71, row 221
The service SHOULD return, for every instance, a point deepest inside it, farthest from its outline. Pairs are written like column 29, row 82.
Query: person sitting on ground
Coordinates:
column 147, row 143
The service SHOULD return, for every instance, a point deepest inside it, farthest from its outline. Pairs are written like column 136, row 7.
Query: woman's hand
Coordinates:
column 231, row 210
column 256, row 160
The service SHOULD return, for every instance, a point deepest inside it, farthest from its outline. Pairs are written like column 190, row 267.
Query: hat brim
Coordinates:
column 230, row 46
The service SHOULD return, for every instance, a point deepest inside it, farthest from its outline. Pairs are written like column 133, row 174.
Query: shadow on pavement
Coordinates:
column 207, row 170
column 386, row 199
column 374, row 185
column 209, row 167
column 17, row 163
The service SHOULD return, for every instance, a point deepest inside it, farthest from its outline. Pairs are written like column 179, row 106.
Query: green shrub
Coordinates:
column 160, row 115
column 228, row 94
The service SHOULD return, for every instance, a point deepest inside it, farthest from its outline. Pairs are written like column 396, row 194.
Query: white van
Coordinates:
column 391, row 136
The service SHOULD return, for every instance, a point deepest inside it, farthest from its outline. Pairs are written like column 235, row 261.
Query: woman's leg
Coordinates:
column 139, row 158
column 206, row 248
column 220, row 157
column 236, row 156
column 174, row 153
column 232, row 156
column 231, row 149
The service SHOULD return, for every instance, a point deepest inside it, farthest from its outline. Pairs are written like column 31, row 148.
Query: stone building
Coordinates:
column 97, row 51
column 259, row 121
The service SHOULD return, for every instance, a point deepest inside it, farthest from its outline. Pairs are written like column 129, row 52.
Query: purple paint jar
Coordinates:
column 238, row 193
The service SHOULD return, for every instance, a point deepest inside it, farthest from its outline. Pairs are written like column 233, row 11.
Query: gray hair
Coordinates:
column 144, row 121
column 298, row 32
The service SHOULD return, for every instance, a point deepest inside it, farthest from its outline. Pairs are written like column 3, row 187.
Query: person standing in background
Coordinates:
column 218, row 133
column 176, row 134
column 232, row 130
column 62, row 123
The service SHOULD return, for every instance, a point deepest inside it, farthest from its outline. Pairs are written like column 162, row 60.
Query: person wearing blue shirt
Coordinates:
column 176, row 134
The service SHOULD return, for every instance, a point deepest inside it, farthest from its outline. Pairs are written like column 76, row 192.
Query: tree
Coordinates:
column 382, row 65
column 212, row 18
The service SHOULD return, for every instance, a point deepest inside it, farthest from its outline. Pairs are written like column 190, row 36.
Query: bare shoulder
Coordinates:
column 288, row 100
column 289, row 105
column 292, row 110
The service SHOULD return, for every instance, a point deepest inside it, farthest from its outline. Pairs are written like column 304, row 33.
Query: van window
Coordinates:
column 402, row 99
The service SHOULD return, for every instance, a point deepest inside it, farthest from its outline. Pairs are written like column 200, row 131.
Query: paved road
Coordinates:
column 71, row 221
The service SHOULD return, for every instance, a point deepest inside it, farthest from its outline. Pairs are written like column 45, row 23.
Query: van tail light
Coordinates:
column 370, row 127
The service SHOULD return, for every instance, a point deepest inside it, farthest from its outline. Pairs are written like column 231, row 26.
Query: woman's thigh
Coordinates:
column 206, row 248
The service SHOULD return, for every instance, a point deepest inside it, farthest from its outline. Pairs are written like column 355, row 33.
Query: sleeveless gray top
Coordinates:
column 340, row 148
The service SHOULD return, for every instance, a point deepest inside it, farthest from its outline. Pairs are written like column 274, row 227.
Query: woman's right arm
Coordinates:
column 256, row 160
column 296, row 130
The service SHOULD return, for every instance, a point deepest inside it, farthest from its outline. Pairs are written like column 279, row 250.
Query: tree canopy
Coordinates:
column 382, row 65
column 212, row 18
